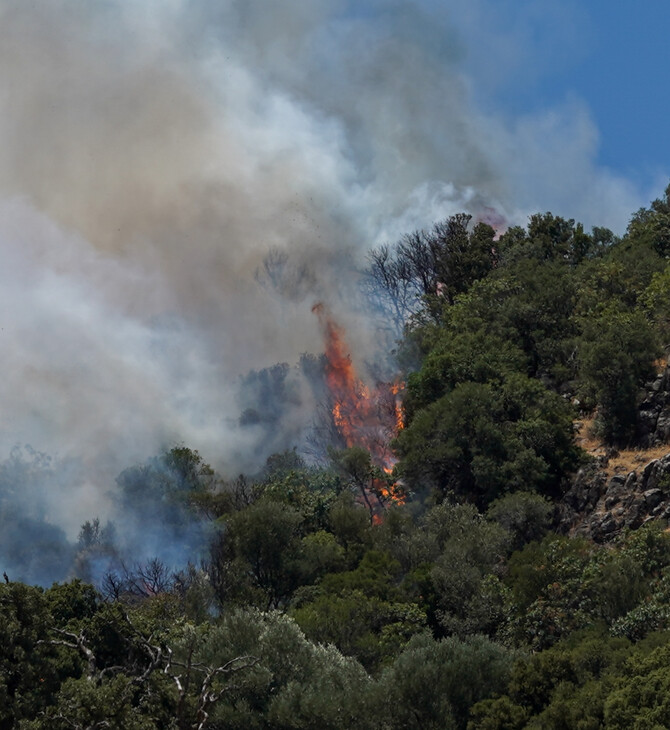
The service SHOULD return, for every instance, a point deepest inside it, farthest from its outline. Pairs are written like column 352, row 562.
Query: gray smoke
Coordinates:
column 153, row 153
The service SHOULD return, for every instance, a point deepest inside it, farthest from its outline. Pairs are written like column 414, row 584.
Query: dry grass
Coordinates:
column 661, row 364
column 625, row 460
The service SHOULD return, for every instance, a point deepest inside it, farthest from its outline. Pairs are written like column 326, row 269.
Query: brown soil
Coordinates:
column 621, row 461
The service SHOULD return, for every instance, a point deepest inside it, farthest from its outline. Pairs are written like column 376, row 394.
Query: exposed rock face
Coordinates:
column 600, row 507
column 653, row 426
column 599, row 504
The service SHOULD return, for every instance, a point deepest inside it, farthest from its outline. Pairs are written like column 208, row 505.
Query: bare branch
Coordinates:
column 78, row 642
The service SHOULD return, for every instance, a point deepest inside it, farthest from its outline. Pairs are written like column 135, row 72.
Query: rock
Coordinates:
column 656, row 473
column 600, row 506
column 593, row 494
column 608, row 525
column 647, row 421
column 616, row 489
column 662, row 431
column 654, row 402
column 611, row 501
column 635, row 519
column 660, row 510
column 652, row 498
column 618, row 480
column 631, row 482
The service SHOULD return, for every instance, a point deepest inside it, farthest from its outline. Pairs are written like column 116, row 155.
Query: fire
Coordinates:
column 364, row 417
column 396, row 389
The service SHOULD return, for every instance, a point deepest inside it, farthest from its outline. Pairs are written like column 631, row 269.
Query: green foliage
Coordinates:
column 434, row 684
column 265, row 540
column 28, row 676
column 618, row 281
column 564, row 584
column 363, row 611
column 462, row 357
column 333, row 697
column 311, row 492
column 481, row 442
column 294, row 684
column 525, row 516
column 349, row 522
column 551, row 238
column 616, row 355
column 642, row 697
column 656, row 301
column 546, row 582
column 84, row 704
column 459, row 610
column 497, row 714
column 430, row 267
column 465, row 596
column 71, row 602
column 529, row 306
column 320, row 553
column 166, row 481
column 649, row 546
column 652, row 226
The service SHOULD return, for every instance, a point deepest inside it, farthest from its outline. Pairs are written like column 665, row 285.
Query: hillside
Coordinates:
column 455, row 546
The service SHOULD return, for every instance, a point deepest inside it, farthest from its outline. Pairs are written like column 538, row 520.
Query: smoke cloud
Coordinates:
column 153, row 153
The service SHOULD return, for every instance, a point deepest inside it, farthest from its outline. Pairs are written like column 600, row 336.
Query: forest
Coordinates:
column 424, row 572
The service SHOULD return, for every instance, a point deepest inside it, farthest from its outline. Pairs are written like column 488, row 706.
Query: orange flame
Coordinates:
column 363, row 417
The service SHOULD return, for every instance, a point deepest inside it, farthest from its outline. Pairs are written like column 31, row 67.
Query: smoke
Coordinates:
column 151, row 155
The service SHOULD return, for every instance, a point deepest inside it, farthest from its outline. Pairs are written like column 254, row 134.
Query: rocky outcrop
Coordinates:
column 603, row 500
column 600, row 506
column 653, row 423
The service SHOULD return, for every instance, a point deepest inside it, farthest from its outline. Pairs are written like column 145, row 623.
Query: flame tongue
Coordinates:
column 363, row 417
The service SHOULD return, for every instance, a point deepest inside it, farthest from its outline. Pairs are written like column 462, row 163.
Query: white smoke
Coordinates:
column 153, row 152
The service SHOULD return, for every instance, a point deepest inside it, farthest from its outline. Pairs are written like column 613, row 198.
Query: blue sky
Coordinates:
column 611, row 56
column 624, row 79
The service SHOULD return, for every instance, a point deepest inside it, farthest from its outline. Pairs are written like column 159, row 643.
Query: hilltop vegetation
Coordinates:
column 463, row 607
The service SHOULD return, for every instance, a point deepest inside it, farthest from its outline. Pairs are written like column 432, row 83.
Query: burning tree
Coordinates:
column 365, row 418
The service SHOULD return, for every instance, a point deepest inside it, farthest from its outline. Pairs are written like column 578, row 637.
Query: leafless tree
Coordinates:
column 440, row 262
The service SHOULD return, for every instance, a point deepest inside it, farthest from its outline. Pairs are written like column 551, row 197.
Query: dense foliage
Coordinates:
column 300, row 607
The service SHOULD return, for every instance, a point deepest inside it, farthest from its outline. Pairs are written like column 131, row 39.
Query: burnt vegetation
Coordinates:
column 310, row 594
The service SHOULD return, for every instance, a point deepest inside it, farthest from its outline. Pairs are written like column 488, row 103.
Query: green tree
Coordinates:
column 497, row 714
column 652, row 226
column 265, row 540
column 457, row 358
column 465, row 597
column 433, row 684
column 642, row 698
column 349, row 522
column 364, row 612
column 525, row 516
column 30, row 672
column 334, row 696
column 616, row 355
column 480, row 442
column 656, row 301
